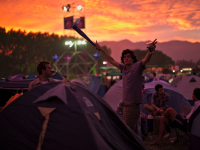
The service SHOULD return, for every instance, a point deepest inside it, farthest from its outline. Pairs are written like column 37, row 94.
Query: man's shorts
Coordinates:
column 179, row 122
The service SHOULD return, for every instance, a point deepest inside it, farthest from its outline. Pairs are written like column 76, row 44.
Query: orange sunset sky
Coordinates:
column 109, row 20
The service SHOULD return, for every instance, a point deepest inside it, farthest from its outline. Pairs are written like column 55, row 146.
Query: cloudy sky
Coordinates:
column 108, row 20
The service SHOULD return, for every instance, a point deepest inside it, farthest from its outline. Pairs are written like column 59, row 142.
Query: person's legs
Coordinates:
column 170, row 112
column 156, row 124
column 156, row 120
column 131, row 115
column 163, row 121
column 149, row 108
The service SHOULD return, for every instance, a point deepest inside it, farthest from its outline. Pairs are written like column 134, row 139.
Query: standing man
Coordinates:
column 132, row 82
column 44, row 71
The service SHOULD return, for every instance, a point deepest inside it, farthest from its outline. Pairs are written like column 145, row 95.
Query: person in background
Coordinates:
column 173, row 119
column 44, row 71
column 155, row 78
column 159, row 103
column 106, row 82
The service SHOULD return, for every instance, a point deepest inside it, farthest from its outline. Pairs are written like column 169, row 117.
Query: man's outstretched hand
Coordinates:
column 152, row 46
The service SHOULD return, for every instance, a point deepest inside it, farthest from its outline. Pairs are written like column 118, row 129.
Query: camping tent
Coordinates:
column 96, row 86
column 176, row 98
column 58, row 76
column 79, row 81
column 31, row 76
column 114, row 95
column 176, row 81
column 17, row 77
column 63, row 116
column 10, row 88
column 187, row 85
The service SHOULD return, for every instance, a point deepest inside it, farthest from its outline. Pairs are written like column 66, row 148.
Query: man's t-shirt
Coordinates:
column 132, row 83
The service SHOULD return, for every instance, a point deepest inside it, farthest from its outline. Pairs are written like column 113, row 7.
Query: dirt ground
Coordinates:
column 166, row 144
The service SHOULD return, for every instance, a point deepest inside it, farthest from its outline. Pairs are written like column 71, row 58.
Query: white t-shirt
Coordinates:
column 44, row 82
column 196, row 105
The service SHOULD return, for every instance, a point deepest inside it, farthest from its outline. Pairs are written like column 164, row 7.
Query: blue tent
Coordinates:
column 96, row 87
column 176, row 98
column 58, row 76
column 31, row 76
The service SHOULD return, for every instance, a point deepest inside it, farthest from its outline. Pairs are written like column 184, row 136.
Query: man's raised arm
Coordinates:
column 108, row 57
column 151, row 46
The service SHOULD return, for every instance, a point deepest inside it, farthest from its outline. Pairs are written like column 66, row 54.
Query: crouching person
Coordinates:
column 159, row 103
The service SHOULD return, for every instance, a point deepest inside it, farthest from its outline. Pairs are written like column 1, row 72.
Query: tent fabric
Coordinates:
column 71, row 126
column 17, row 77
column 58, row 76
column 176, row 81
column 16, row 84
column 114, row 95
column 31, row 76
column 185, row 87
column 94, row 84
column 79, row 81
column 10, row 88
column 96, row 87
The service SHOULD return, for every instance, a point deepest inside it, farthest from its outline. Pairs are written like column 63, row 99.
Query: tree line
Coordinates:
column 20, row 52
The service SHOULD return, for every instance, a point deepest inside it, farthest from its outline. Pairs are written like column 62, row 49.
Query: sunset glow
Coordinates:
column 108, row 20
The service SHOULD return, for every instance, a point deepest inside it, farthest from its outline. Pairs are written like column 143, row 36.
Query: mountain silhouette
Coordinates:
column 177, row 50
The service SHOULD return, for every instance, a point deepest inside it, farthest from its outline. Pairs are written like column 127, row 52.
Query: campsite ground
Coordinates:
column 166, row 144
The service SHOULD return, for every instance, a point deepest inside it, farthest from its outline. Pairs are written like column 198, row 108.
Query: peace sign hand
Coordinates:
column 151, row 46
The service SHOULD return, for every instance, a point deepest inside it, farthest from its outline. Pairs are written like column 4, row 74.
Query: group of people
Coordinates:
column 131, row 70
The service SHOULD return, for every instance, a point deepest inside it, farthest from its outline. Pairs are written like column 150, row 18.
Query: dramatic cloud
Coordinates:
column 135, row 20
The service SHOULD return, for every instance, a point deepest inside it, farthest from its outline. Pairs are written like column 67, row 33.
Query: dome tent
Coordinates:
column 176, row 98
column 114, row 95
column 187, row 85
column 75, row 119
column 79, row 81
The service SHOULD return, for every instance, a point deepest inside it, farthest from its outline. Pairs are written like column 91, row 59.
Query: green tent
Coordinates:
column 114, row 73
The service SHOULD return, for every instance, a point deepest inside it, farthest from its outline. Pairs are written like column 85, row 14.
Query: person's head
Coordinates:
column 44, row 68
column 159, row 89
column 196, row 94
column 143, row 77
column 154, row 74
column 128, row 57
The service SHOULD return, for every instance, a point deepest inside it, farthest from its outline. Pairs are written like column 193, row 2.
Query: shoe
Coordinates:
column 166, row 135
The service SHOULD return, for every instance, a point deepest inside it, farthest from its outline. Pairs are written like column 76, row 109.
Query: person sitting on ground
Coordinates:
column 174, row 119
column 159, row 103
column 155, row 78
column 44, row 71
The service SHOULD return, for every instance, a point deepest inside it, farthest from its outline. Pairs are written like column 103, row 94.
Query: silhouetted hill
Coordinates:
column 177, row 50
